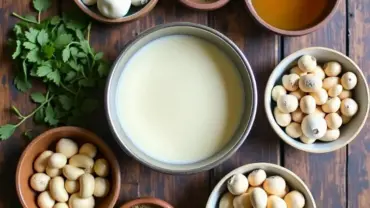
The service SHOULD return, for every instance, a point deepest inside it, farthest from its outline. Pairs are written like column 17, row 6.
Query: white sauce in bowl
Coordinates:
column 180, row 99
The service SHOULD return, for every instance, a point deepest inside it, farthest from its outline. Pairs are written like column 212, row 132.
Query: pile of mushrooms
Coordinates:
column 259, row 191
column 83, row 178
column 313, row 102
column 114, row 9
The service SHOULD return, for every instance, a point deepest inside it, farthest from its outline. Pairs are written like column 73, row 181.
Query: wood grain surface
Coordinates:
column 337, row 180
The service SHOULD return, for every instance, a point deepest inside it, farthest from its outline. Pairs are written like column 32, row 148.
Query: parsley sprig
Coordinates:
column 56, row 52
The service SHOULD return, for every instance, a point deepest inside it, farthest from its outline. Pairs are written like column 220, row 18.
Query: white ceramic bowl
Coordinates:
column 361, row 95
column 293, row 181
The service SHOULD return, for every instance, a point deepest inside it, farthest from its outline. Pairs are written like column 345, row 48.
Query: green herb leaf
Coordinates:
column 42, row 37
column 85, row 46
column 63, row 40
column 18, row 30
column 33, row 56
column 87, row 83
column 48, row 51
column 30, row 17
column 54, row 77
column 29, row 45
column 65, row 102
column 42, row 71
column 18, row 50
column 66, row 54
column 80, row 35
column 70, row 76
column 74, row 51
column 21, row 84
column 99, row 56
column 39, row 115
column 55, row 20
column 41, row 5
column 31, row 35
column 38, row 97
column 50, row 116
column 103, row 69
column 7, row 131
column 74, row 65
column 28, row 134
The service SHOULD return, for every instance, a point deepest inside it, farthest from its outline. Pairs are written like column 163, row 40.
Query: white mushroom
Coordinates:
column 275, row 202
column 89, row 2
column 298, row 71
column 139, row 2
column 114, row 8
column 298, row 94
column 287, row 103
column 319, row 112
column 307, row 63
column 319, row 72
column 345, row 119
column 320, row 96
column 310, row 83
column 314, row 126
column 335, row 90
column 226, row 201
column 330, row 82
column 258, row 198
column 290, row 82
column 333, row 120
column 297, row 115
column 282, row 119
column 307, row 140
column 307, row 104
column 332, row 105
column 295, row 199
column 242, row 201
column 345, row 94
column 330, row 135
column 294, row 130
column 348, row 107
column 257, row 177
column 277, row 91
column 274, row 185
column 332, row 69
column 237, row 184
column 349, row 80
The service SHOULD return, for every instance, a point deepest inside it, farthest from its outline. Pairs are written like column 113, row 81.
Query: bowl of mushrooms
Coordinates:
column 68, row 167
column 116, row 11
column 317, row 100
column 261, row 185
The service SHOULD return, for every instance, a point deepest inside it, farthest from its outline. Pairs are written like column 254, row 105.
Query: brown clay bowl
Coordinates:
column 328, row 14
column 134, row 13
column 204, row 5
column 47, row 140
column 147, row 201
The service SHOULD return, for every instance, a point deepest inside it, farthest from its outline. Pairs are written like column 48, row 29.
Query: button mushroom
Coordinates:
column 335, row 90
column 258, row 198
column 330, row 82
column 290, row 82
column 349, row 80
column 243, row 201
column 294, row 130
column 348, row 107
column 275, row 202
column 277, row 91
column 295, row 199
column 330, row 135
column 319, row 112
column 314, row 126
column 237, row 184
column 282, row 119
column 320, row 96
column 332, row 69
column 114, row 8
column 39, row 182
column 139, row 2
column 319, row 72
column 298, row 94
column 332, row 105
column 298, row 71
column 89, row 2
column 307, row 140
column 307, row 104
column 274, row 185
column 257, row 177
column 345, row 94
column 226, row 201
column 287, row 103
column 310, row 83
column 345, row 119
column 307, row 63
column 333, row 120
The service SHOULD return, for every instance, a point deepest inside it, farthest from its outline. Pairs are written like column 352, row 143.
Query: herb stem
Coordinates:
column 66, row 88
column 88, row 32
column 39, row 17
column 24, row 19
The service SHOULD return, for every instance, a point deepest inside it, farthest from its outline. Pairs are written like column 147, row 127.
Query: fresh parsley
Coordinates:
column 56, row 52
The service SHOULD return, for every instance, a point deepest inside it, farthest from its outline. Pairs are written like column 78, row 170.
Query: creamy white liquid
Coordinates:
column 180, row 99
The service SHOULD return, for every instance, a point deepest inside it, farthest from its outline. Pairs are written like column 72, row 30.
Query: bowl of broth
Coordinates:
column 292, row 17
column 181, row 98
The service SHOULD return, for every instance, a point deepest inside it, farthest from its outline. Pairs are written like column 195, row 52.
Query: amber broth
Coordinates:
column 292, row 14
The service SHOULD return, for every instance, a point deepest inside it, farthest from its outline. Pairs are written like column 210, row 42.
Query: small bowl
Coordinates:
column 134, row 13
column 293, row 181
column 330, row 11
column 205, row 6
column 47, row 141
column 361, row 95
column 147, row 201
column 245, row 72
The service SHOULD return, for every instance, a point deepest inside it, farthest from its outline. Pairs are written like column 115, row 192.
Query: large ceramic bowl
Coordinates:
column 361, row 94
column 292, row 180
column 249, row 87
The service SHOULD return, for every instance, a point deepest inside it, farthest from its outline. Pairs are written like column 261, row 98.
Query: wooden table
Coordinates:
column 339, row 179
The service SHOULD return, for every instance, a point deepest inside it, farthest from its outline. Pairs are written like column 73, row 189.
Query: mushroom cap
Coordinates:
column 314, row 126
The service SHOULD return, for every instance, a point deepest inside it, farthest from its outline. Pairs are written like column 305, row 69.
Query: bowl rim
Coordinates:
column 261, row 164
column 205, row 6
column 115, row 164
column 147, row 200
column 254, row 98
column 301, row 32
column 278, row 130
column 143, row 11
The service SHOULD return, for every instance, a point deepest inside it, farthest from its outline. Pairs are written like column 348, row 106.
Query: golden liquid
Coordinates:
column 292, row 14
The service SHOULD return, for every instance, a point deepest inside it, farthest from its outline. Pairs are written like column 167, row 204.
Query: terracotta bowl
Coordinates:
column 147, row 201
column 47, row 141
column 292, row 180
column 134, row 13
column 349, row 131
column 329, row 13
column 203, row 5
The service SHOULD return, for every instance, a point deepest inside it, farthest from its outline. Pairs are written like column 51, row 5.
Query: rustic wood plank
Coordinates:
column 325, row 174
column 359, row 149
column 137, row 180
column 11, row 149
column 261, row 49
